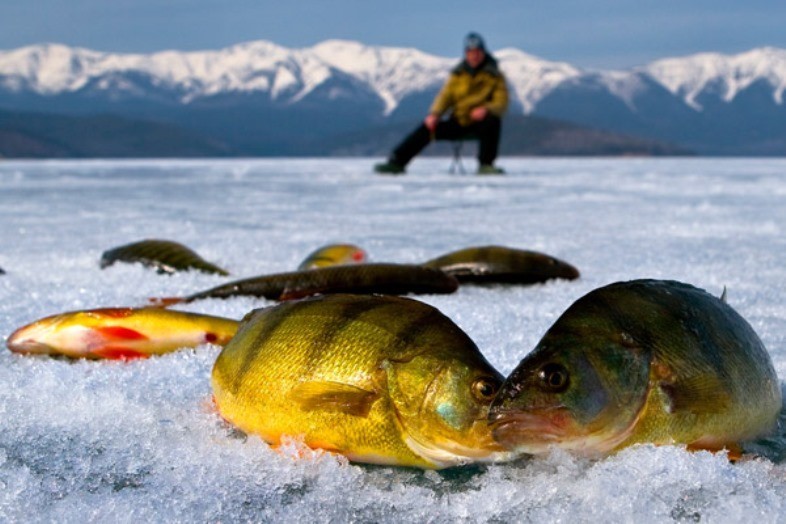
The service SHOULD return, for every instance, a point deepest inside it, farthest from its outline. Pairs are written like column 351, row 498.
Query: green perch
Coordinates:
column 499, row 264
column 645, row 361
column 163, row 255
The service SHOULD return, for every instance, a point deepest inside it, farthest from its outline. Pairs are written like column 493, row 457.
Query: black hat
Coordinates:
column 474, row 41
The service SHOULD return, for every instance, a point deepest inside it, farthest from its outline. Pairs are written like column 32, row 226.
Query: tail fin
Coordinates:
column 163, row 302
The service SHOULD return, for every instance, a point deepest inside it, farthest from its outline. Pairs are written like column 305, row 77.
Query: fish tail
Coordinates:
column 164, row 302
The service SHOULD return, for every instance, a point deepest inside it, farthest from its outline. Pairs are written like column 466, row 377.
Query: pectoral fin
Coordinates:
column 703, row 393
column 334, row 397
column 120, row 333
column 118, row 353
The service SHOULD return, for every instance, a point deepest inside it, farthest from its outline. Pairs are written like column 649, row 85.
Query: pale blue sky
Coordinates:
column 599, row 33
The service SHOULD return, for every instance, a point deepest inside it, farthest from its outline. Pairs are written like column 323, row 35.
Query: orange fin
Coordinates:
column 113, row 312
column 120, row 333
column 733, row 451
column 298, row 449
column 165, row 301
column 119, row 353
column 208, row 405
column 291, row 294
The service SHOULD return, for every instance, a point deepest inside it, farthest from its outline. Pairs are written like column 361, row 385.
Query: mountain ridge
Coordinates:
column 44, row 68
column 709, row 102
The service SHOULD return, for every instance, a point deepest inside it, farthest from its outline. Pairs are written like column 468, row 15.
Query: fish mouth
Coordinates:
column 569, row 272
column 443, row 453
column 536, row 433
column 531, row 432
column 27, row 346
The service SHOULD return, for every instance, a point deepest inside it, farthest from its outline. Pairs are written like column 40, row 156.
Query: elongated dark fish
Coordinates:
column 386, row 279
column 163, row 255
column 642, row 361
column 1, row 271
column 499, row 264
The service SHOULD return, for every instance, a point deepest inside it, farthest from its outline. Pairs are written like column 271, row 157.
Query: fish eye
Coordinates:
column 554, row 378
column 484, row 389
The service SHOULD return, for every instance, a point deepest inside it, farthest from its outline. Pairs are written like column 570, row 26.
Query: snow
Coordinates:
column 691, row 76
column 532, row 78
column 130, row 442
column 392, row 73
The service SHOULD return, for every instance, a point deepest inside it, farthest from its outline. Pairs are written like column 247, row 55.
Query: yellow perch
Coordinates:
column 334, row 255
column 120, row 333
column 652, row 361
column 379, row 379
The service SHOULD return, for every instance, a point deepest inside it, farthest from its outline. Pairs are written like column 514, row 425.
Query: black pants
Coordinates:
column 486, row 131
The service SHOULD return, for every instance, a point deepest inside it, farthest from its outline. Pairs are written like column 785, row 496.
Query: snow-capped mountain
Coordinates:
column 727, row 75
column 53, row 69
column 709, row 101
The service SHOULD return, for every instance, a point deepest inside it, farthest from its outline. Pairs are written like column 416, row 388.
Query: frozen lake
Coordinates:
column 137, row 441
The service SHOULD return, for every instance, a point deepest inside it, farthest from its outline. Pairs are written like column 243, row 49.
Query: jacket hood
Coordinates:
column 489, row 65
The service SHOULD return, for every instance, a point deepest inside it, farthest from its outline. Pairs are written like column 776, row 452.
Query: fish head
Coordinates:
column 41, row 337
column 581, row 389
column 30, row 339
column 554, row 267
column 334, row 255
column 442, row 404
column 71, row 333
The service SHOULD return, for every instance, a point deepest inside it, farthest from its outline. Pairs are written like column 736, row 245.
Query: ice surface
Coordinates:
column 138, row 441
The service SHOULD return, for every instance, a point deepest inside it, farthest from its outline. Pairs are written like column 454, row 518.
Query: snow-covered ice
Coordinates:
column 138, row 441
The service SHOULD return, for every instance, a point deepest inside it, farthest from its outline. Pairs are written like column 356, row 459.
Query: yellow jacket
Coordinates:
column 464, row 91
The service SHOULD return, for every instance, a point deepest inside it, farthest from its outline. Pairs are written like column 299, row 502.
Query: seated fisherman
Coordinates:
column 476, row 96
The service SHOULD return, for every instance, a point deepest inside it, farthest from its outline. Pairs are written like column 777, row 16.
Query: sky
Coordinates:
column 598, row 34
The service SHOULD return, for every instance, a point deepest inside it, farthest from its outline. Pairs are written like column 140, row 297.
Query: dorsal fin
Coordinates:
column 723, row 295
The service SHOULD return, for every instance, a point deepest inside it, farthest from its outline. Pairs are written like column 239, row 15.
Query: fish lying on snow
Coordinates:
column 392, row 279
column 640, row 361
column 163, row 255
column 120, row 333
column 499, row 264
column 383, row 380
column 334, row 255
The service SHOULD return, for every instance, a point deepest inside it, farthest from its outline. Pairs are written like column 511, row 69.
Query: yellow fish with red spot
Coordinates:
column 334, row 255
column 120, row 333
column 379, row 379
